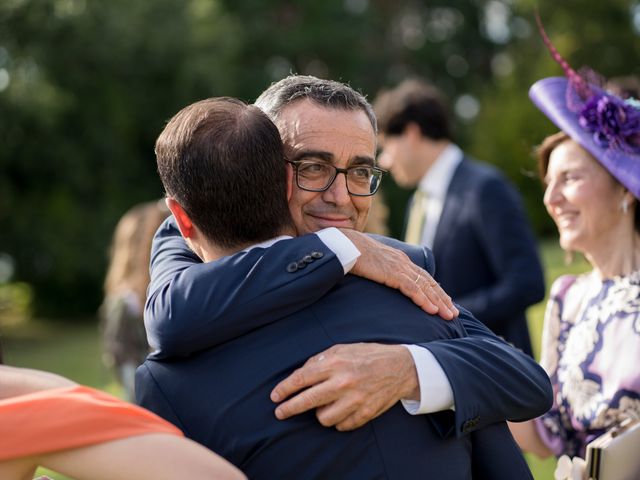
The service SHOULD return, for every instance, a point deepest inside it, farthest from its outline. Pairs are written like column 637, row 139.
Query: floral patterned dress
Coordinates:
column 591, row 351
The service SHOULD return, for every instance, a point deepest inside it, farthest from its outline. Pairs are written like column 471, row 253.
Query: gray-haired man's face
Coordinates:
column 340, row 137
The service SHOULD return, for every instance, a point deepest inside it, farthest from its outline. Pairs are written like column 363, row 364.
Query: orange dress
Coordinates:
column 70, row 417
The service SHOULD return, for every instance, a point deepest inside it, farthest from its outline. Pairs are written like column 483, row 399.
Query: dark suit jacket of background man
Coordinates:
column 220, row 396
column 485, row 252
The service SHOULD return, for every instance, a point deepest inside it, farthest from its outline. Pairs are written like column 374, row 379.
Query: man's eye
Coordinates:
column 312, row 168
column 360, row 172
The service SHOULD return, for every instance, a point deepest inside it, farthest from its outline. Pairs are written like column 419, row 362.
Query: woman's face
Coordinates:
column 582, row 198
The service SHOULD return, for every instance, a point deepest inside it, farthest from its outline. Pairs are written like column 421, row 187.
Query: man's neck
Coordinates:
column 433, row 150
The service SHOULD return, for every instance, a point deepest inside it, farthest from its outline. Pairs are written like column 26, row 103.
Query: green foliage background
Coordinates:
column 86, row 85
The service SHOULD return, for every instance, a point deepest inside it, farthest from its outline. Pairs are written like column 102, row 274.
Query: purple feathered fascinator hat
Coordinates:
column 604, row 124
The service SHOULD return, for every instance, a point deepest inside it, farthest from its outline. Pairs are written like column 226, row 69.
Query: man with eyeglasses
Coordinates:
column 329, row 136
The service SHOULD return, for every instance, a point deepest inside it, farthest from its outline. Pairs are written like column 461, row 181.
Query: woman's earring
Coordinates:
column 625, row 206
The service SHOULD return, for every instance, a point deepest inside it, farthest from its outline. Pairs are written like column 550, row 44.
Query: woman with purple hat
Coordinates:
column 591, row 335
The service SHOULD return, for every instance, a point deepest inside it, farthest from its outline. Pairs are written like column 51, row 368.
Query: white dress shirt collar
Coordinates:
column 435, row 184
column 267, row 243
column 437, row 179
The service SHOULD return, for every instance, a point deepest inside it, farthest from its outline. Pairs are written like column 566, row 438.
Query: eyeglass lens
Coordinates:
column 361, row 180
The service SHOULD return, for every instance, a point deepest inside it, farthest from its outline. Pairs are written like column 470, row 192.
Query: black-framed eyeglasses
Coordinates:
column 314, row 176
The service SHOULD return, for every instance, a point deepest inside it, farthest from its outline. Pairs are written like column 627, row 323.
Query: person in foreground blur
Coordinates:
column 591, row 335
column 218, row 160
column 47, row 420
column 465, row 211
column 121, row 313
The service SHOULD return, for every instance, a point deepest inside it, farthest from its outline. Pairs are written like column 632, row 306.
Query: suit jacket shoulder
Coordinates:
column 472, row 175
column 193, row 305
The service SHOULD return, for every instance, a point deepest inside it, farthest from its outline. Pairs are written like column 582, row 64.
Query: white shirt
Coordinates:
column 435, row 390
column 435, row 184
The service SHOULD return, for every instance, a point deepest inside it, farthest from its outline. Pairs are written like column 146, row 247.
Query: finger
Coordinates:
column 436, row 295
column 444, row 297
column 314, row 397
column 357, row 419
column 335, row 412
column 309, row 374
column 410, row 287
column 444, row 301
column 425, row 292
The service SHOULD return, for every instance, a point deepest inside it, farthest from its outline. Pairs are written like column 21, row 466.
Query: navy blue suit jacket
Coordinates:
column 238, row 308
column 485, row 252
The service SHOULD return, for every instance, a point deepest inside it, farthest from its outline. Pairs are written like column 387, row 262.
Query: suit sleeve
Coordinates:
column 192, row 305
column 491, row 380
column 502, row 228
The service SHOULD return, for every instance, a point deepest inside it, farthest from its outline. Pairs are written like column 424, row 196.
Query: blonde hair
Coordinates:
column 131, row 249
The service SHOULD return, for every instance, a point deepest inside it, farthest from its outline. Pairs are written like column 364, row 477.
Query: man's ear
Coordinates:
column 182, row 219
column 289, row 181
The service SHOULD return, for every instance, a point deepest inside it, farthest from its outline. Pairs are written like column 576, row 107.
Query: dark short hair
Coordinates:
column 326, row 93
column 223, row 162
column 543, row 153
column 413, row 101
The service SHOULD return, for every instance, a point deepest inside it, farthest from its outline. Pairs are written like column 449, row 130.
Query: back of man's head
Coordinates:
column 223, row 162
column 413, row 101
column 326, row 93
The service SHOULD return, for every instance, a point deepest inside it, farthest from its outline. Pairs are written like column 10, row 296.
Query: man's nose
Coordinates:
column 337, row 193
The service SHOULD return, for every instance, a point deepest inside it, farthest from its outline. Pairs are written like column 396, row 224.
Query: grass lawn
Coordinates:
column 73, row 349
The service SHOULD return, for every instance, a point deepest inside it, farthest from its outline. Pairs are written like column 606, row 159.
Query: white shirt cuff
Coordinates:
column 339, row 244
column 435, row 389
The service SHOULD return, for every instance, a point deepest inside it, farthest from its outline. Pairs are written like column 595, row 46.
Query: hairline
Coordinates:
column 276, row 100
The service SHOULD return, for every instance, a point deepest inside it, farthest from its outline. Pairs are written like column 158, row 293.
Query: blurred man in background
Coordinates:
column 465, row 211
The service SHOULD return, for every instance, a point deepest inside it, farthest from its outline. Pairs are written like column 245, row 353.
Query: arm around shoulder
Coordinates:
column 193, row 305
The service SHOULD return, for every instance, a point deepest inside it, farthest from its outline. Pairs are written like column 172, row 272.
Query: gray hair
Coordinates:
column 326, row 93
